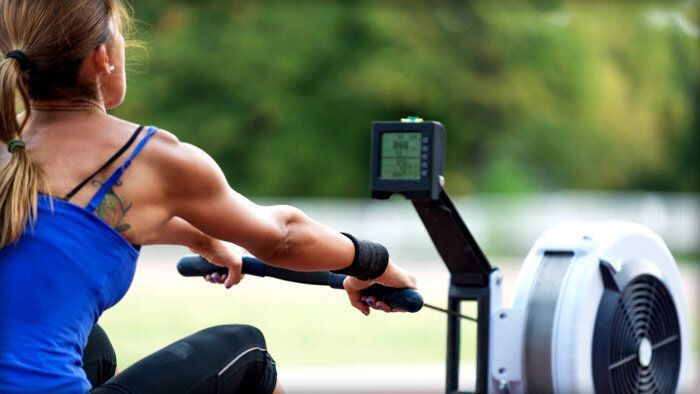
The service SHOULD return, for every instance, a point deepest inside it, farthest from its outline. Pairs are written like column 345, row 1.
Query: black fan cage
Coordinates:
column 645, row 315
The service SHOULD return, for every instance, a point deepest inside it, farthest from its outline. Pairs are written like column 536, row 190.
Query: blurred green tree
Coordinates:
column 537, row 95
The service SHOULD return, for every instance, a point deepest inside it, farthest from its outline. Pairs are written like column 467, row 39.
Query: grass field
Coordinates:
column 304, row 325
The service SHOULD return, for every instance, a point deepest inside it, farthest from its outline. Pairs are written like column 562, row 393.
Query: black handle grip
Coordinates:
column 198, row 266
column 405, row 299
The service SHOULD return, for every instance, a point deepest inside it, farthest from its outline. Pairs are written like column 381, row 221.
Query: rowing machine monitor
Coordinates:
column 408, row 157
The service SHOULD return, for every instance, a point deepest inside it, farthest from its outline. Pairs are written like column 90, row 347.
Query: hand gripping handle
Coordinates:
column 405, row 299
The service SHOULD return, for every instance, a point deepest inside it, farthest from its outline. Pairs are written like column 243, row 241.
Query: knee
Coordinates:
column 249, row 358
column 239, row 334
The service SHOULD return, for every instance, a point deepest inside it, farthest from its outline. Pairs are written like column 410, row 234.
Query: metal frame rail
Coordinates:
column 469, row 281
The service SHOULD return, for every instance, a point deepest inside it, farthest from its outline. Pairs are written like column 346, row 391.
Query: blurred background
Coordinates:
column 554, row 110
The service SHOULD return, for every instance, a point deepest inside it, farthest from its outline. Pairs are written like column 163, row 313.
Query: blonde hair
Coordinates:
column 56, row 37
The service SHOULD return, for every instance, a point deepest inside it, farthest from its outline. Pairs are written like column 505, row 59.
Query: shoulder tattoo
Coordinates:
column 113, row 208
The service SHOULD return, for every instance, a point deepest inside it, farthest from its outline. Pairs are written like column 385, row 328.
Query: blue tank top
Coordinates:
column 55, row 282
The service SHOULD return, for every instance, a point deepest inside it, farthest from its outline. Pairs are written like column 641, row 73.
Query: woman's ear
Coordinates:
column 99, row 60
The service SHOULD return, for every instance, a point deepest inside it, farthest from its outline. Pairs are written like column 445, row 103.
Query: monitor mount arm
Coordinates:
column 463, row 257
column 470, row 280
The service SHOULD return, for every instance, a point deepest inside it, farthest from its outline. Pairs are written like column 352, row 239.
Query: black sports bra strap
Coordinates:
column 105, row 165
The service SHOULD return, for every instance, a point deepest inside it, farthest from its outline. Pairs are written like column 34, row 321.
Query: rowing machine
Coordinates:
column 598, row 307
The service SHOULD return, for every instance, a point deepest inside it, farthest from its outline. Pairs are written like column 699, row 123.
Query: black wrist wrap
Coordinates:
column 370, row 262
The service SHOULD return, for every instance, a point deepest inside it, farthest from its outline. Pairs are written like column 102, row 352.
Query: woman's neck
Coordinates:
column 69, row 106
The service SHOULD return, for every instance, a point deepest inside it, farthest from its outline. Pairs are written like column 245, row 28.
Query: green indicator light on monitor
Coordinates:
column 412, row 119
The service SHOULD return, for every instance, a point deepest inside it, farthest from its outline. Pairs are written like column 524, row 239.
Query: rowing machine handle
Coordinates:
column 406, row 299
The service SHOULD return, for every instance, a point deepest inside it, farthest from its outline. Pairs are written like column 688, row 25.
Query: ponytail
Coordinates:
column 21, row 178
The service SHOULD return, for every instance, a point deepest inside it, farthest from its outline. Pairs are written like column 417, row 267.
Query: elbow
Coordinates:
column 286, row 237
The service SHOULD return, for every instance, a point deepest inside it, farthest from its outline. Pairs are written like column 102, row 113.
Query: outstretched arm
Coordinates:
column 281, row 235
column 284, row 236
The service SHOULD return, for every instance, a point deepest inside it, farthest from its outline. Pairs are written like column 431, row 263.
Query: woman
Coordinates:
column 80, row 191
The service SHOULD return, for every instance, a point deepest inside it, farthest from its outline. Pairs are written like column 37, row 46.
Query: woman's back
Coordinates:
column 71, row 146
column 55, row 282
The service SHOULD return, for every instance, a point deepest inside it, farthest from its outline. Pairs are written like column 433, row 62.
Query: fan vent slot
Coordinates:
column 644, row 345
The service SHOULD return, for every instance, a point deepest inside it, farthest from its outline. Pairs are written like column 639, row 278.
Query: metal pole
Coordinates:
column 453, row 345
column 482, row 341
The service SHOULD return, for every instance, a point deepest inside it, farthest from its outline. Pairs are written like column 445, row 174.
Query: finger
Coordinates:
column 356, row 302
column 371, row 301
column 231, row 281
column 215, row 276
column 361, row 307
column 383, row 306
column 234, row 278
column 374, row 303
column 414, row 282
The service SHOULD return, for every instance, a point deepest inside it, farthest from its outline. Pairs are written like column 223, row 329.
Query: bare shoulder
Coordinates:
column 166, row 137
column 181, row 165
column 168, row 149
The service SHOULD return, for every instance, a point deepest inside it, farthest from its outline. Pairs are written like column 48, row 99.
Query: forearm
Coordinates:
column 178, row 231
column 305, row 244
column 282, row 236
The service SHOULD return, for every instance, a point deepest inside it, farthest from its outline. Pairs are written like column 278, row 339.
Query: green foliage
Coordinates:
column 535, row 95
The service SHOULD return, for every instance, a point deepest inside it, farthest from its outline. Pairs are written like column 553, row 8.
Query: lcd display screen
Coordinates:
column 401, row 155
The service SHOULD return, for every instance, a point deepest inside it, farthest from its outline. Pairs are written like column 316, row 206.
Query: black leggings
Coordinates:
column 222, row 359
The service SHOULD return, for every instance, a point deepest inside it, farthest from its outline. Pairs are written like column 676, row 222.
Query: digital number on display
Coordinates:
column 401, row 156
